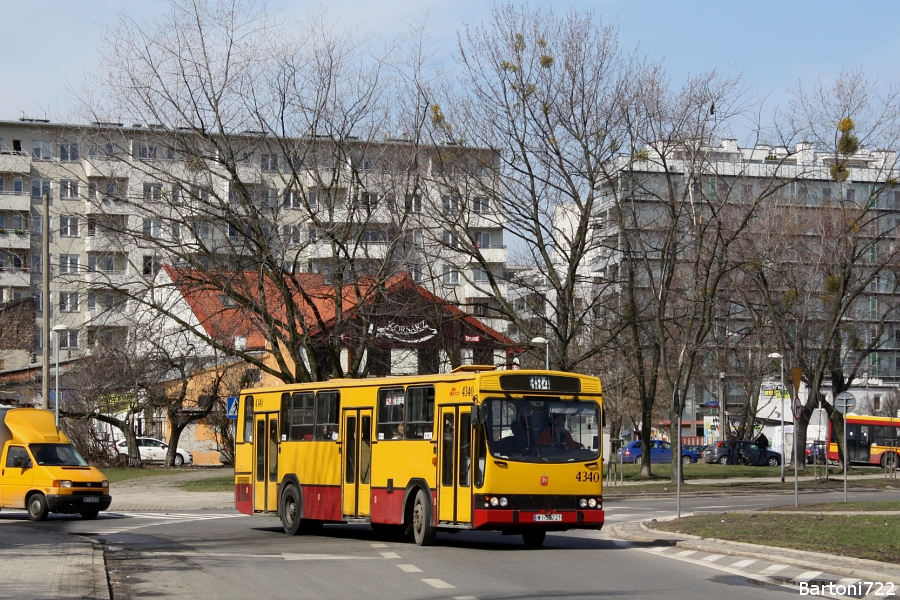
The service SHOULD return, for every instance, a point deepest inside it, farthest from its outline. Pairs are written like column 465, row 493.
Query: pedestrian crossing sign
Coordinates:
column 232, row 407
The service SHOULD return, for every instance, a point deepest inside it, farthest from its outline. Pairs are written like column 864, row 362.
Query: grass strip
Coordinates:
column 119, row 474
column 839, row 507
column 871, row 537
column 210, row 484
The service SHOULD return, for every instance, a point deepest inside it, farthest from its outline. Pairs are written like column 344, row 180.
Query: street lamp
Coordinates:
column 542, row 341
column 780, row 359
column 58, row 330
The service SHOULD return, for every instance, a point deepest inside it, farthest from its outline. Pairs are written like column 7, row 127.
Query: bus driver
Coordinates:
column 556, row 434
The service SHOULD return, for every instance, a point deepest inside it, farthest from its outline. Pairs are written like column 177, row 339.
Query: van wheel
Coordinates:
column 89, row 515
column 423, row 520
column 290, row 510
column 533, row 538
column 178, row 460
column 37, row 507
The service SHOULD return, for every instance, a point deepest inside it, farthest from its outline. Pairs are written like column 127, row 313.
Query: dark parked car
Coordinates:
column 660, row 452
column 747, row 453
column 816, row 453
column 694, row 448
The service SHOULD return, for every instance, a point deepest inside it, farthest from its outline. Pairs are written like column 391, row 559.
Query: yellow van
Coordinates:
column 42, row 472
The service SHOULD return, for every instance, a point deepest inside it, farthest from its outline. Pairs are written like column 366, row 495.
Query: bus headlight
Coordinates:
column 503, row 501
column 494, row 501
column 592, row 503
column 582, row 503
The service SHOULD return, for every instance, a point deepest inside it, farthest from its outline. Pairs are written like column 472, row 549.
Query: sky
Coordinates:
column 51, row 45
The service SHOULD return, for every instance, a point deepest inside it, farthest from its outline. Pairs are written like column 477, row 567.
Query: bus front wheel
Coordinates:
column 533, row 538
column 423, row 520
column 290, row 510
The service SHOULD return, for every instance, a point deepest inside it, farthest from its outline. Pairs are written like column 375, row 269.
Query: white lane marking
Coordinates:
column 848, row 581
column 410, row 568
column 720, row 506
column 658, row 548
column 771, row 570
column 390, row 555
column 292, row 556
column 743, row 563
column 712, row 557
column 806, row 576
column 465, row 598
column 437, row 583
column 622, row 543
column 379, row 545
column 685, row 553
column 739, row 572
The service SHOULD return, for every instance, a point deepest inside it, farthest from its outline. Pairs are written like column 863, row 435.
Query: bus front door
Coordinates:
column 357, row 454
column 455, row 465
column 265, row 453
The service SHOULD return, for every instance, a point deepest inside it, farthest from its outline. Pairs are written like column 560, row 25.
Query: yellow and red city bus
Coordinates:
column 870, row 440
column 512, row 451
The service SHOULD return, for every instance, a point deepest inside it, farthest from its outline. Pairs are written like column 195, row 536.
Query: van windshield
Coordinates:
column 57, row 455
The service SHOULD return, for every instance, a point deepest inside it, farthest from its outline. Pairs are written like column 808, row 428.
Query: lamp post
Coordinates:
column 542, row 341
column 780, row 359
column 58, row 330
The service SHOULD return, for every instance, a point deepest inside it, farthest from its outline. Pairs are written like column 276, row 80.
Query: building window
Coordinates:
column 479, row 275
column 151, row 265
column 38, row 301
column 68, row 339
column 268, row 162
column 293, row 199
column 291, row 234
column 104, row 264
column 451, row 240
column 413, row 203
column 39, row 187
column 146, row 152
column 451, row 204
column 68, row 152
column 482, row 239
column 876, row 403
column 68, row 264
column 68, row 226
column 201, row 230
column 481, row 205
column 68, row 302
column 153, row 192
column 68, row 189
column 37, row 264
column 41, row 150
column 152, row 228
column 451, row 275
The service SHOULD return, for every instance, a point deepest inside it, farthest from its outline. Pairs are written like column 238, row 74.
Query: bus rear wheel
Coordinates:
column 290, row 510
column 424, row 532
column 533, row 538
column 889, row 461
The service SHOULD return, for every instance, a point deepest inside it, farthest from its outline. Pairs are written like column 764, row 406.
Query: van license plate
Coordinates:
column 91, row 499
column 542, row 517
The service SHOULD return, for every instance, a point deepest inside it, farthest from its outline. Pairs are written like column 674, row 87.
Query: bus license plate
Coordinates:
column 556, row 517
column 91, row 499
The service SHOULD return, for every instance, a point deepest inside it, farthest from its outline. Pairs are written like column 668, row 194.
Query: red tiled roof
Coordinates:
column 311, row 294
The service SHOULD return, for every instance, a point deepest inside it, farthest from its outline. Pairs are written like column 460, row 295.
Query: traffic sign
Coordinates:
column 798, row 409
column 232, row 407
column 845, row 402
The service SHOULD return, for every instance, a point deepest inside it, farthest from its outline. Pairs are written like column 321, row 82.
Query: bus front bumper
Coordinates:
column 546, row 519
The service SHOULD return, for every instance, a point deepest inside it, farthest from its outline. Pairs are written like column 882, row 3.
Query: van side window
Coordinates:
column 16, row 452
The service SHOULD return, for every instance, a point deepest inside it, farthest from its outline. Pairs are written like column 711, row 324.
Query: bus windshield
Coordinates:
column 57, row 455
column 543, row 429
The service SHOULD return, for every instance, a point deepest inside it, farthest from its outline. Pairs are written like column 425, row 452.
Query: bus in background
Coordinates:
column 480, row 449
column 870, row 441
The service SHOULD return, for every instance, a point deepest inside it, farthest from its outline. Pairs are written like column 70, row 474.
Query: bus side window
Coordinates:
column 248, row 419
column 303, row 416
column 327, row 415
column 420, row 413
column 480, row 454
column 390, row 413
column 285, row 416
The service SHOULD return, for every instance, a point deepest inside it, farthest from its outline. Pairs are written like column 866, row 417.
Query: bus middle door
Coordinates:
column 357, row 455
column 455, row 465
column 265, row 452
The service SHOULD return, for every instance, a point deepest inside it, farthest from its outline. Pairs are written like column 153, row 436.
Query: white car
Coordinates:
column 153, row 450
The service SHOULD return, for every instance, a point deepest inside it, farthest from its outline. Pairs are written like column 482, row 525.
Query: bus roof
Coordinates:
column 489, row 380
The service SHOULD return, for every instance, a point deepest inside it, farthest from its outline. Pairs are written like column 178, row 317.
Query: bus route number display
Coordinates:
column 539, row 382
column 542, row 383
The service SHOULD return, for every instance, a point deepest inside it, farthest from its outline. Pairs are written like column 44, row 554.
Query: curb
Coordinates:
column 861, row 568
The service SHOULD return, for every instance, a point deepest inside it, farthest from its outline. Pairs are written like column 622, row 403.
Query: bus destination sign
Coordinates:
column 543, row 383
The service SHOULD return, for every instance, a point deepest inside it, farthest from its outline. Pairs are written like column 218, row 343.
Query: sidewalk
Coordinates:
column 48, row 565
column 867, row 570
column 161, row 493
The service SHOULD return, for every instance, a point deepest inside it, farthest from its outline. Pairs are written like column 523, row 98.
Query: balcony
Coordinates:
column 107, row 168
column 12, row 277
column 18, row 239
column 114, row 279
column 494, row 253
column 19, row 201
column 108, row 205
column 18, row 163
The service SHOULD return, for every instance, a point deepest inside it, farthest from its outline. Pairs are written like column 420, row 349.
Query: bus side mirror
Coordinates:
column 478, row 414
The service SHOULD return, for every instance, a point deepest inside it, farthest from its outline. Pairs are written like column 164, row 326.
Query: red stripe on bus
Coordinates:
column 322, row 502
column 493, row 517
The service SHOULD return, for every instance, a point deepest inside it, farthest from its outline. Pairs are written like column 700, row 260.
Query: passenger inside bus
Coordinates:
column 398, row 435
column 556, row 434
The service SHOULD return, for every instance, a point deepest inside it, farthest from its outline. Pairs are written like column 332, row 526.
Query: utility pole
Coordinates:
column 45, row 303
